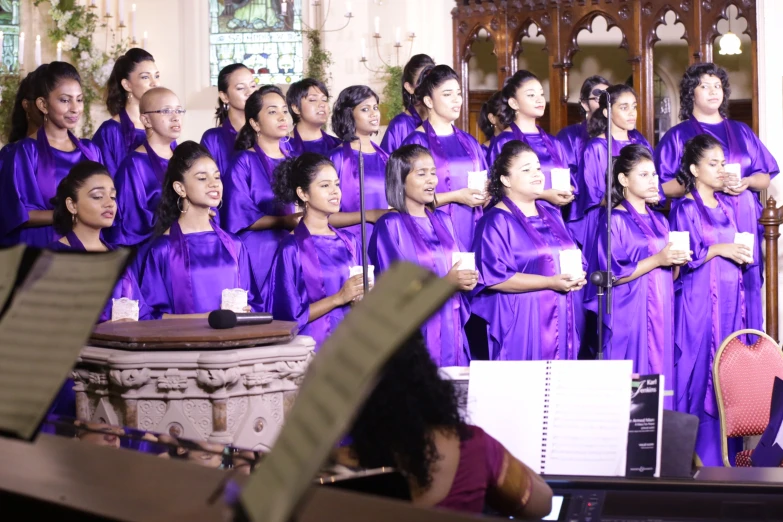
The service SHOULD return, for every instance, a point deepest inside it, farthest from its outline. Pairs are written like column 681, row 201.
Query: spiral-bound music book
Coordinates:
column 558, row 417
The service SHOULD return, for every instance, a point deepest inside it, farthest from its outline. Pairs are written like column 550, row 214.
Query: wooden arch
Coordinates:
column 560, row 21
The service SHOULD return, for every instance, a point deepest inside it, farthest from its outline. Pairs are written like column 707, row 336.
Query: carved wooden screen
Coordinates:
column 561, row 21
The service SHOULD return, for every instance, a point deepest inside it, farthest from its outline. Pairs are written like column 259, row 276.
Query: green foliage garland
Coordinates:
column 392, row 92
column 9, row 85
column 319, row 60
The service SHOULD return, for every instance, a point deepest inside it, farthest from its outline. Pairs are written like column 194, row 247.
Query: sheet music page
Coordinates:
column 590, row 404
column 506, row 399
column 9, row 267
column 50, row 318
column 336, row 384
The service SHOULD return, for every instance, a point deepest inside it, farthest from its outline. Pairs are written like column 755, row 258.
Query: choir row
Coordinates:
column 198, row 233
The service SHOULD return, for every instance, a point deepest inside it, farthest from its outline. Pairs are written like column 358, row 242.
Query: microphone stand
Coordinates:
column 363, row 212
column 603, row 278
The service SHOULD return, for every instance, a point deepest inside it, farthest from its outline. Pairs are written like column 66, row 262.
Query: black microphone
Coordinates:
column 222, row 319
column 598, row 92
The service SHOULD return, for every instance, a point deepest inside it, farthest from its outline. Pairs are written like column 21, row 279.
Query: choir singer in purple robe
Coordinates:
column 139, row 178
column 39, row 163
column 489, row 119
column 710, row 298
column 524, row 103
column 591, row 178
column 704, row 95
column 640, row 326
column 456, row 153
column 192, row 260
column 235, row 85
column 133, row 74
column 356, row 115
column 532, row 310
column 419, row 233
column 251, row 209
column 415, row 112
column 308, row 105
column 310, row 280
column 574, row 137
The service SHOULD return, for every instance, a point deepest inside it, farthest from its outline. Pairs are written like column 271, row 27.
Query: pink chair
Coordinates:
column 744, row 376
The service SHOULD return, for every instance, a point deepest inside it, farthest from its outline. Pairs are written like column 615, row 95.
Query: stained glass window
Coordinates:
column 9, row 25
column 258, row 34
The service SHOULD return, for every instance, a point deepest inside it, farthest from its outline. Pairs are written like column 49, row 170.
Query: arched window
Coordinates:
column 9, row 25
column 262, row 34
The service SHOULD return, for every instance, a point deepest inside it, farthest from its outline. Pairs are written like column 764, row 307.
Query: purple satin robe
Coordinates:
column 644, row 307
column 392, row 242
column 460, row 163
column 23, row 193
column 536, row 142
column 220, row 141
column 286, row 296
column 138, row 195
column 127, row 286
column 247, row 197
column 591, row 184
column 755, row 158
column 113, row 144
column 514, row 321
column 212, row 270
column 323, row 145
column 400, row 127
column 374, row 185
column 573, row 140
column 709, row 305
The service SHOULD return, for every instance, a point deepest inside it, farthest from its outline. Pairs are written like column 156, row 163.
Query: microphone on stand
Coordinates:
column 363, row 213
column 598, row 92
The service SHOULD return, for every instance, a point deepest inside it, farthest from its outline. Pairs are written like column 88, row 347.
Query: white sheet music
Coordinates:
column 9, row 266
column 582, row 430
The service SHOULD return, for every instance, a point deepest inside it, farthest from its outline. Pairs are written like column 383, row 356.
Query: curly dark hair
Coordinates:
column 510, row 150
column 692, row 154
column 298, row 172
column 255, row 102
column 493, row 106
column 343, row 123
column 692, row 78
column 395, row 425
column 185, row 155
column 630, row 156
column 598, row 123
column 116, row 95
column 62, row 219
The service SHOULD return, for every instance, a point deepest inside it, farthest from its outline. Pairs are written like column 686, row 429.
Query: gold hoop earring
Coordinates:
column 179, row 205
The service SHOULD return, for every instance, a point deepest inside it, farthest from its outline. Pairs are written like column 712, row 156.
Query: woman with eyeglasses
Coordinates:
column 39, row 163
column 191, row 260
column 251, row 209
column 308, row 105
column 235, row 85
column 704, row 95
column 591, row 179
column 139, row 180
column 133, row 74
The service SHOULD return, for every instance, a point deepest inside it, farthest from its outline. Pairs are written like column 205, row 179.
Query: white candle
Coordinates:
column 284, row 8
column 59, row 51
column 121, row 12
column 94, row 3
column 377, row 25
column 108, row 8
column 364, row 52
column 348, row 9
column 38, row 60
column 21, row 48
column 144, row 41
column 133, row 22
column 397, row 36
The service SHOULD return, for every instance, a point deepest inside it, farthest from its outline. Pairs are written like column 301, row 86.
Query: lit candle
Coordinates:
column 94, row 3
column 348, row 9
column 397, row 36
column 21, row 48
column 144, row 41
column 377, row 25
column 121, row 12
column 108, row 8
column 38, row 60
column 364, row 52
column 133, row 22
column 284, row 8
column 59, row 51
